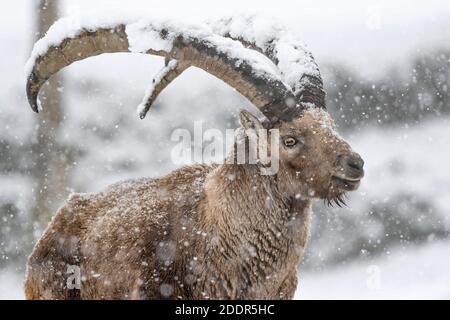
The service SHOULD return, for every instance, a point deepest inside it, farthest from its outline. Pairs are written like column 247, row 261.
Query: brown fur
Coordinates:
column 220, row 231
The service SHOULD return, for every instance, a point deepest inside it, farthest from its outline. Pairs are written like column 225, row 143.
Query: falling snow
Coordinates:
column 392, row 239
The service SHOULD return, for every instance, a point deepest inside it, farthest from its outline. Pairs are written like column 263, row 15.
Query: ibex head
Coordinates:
column 266, row 65
column 314, row 161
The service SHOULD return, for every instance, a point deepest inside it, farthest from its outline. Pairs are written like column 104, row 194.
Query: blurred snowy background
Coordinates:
column 386, row 67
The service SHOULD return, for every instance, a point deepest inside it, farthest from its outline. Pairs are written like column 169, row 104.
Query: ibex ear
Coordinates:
column 249, row 121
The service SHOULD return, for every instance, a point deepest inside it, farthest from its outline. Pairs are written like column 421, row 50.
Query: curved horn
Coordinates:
column 161, row 80
column 253, row 75
column 297, row 66
column 86, row 44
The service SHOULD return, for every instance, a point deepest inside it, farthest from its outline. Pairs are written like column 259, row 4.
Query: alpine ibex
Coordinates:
column 203, row 231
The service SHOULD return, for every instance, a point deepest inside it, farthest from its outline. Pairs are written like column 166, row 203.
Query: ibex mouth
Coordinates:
column 345, row 183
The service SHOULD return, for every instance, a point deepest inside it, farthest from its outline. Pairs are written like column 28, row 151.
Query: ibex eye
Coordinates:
column 290, row 142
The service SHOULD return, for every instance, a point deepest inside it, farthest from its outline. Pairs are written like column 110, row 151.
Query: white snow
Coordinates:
column 335, row 33
column 415, row 273
column 10, row 285
column 16, row 188
column 144, row 34
column 294, row 60
column 406, row 160
column 70, row 27
column 332, row 31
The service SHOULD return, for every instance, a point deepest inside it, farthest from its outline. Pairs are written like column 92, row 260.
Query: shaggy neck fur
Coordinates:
column 260, row 235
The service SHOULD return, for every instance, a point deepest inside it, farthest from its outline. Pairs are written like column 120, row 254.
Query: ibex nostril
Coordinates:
column 353, row 163
column 356, row 164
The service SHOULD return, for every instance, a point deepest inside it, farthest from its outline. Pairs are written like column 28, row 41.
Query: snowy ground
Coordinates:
column 415, row 273
column 10, row 286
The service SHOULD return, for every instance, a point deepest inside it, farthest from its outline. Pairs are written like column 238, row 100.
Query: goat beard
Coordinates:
column 338, row 200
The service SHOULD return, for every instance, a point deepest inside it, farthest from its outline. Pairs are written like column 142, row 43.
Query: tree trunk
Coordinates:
column 50, row 163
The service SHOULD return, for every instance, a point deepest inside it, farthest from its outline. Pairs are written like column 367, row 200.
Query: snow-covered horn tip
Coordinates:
column 263, row 62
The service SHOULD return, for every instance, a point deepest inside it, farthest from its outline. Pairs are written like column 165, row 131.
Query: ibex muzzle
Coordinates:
column 350, row 170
